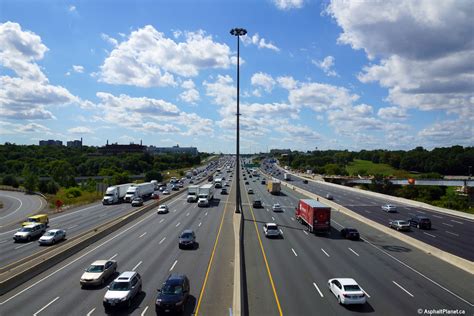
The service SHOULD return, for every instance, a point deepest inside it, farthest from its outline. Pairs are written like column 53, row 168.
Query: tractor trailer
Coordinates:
column 116, row 193
column 314, row 214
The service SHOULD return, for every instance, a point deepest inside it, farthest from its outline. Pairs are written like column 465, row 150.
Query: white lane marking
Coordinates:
column 46, row 306
column 448, row 224
column 354, row 252
column 454, row 234
column 437, row 216
column 304, row 231
column 205, row 214
column 135, row 267
column 292, row 218
column 142, row 235
column 172, row 267
column 24, row 245
column 457, row 222
column 273, row 218
column 367, row 211
column 325, row 252
column 73, row 226
column 102, row 215
column 365, row 292
column 21, row 203
column 162, row 220
column 90, row 313
column 178, row 224
column 268, row 210
column 161, row 241
column 144, row 311
column 296, row 255
column 4, row 241
column 174, row 211
column 421, row 212
column 187, row 214
column 319, row 291
column 402, row 288
column 200, row 223
column 113, row 256
column 429, row 234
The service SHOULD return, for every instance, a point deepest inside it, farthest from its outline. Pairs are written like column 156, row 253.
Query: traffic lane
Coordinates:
column 422, row 299
column 124, row 244
column 18, row 206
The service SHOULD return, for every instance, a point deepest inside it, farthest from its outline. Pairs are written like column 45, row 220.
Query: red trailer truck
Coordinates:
column 314, row 214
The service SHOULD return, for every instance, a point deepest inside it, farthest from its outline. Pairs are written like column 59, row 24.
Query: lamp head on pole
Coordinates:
column 237, row 31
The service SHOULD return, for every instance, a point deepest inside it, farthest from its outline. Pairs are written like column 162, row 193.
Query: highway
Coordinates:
column 148, row 245
column 450, row 233
column 18, row 205
column 289, row 276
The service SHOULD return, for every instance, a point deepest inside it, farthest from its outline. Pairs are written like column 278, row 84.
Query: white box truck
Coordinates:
column 193, row 191
column 218, row 183
column 139, row 190
column 115, row 194
column 205, row 194
column 287, row 177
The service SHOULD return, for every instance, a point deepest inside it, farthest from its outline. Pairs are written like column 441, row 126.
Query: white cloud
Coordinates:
column 288, row 4
column 78, row 68
column 299, row 133
column 259, row 42
column 263, row 80
column 448, row 132
column 287, row 82
column 148, row 58
column 391, row 113
column 326, row 65
column 72, row 8
column 222, row 90
column 191, row 95
column 80, row 130
column 112, row 41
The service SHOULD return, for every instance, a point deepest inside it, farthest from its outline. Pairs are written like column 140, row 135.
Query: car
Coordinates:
column 420, row 221
column 36, row 219
column 245, row 178
column 271, row 230
column 162, row 209
column 166, row 192
column 263, row 182
column 389, row 208
column 162, row 188
column 257, row 204
column 399, row 225
column 52, row 236
column 246, row 182
column 187, row 239
column 277, row 207
column 347, row 291
column 28, row 232
column 173, row 294
column 329, row 197
column 98, row 272
column 224, row 191
column 175, row 188
column 123, row 290
column 180, row 185
column 305, row 181
column 137, row 201
column 226, row 184
column 250, row 191
column 191, row 181
column 155, row 196
column 350, row 233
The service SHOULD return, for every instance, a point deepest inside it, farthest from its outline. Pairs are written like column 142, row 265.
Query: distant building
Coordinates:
column 280, row 151
column 50, row 142
column 114, row 149
column 75, row 143
column 173, row 150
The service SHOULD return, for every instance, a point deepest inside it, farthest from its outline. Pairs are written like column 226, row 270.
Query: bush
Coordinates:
column 10, row 180
column 73, row 192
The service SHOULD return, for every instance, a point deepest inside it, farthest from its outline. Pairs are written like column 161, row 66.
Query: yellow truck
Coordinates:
column 274, row 187
column 40, row 219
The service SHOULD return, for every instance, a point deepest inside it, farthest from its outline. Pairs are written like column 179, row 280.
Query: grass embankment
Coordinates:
column 366, row 167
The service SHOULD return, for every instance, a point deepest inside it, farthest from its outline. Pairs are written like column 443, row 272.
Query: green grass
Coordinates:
column 358, row 166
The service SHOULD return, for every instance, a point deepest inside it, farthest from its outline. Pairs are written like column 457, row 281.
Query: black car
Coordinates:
column 305, row 181
column 350, row 233
column 420, row 222
column 187, row 239
column 263, row 182
column 257, row 204
column 173, row 295
column 246, row 182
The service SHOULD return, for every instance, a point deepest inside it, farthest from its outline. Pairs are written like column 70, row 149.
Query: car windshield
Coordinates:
column 272, row 227
column 25, row 229
column 402, row 222
column 50, row 233
column 172, row 289
column 119, row 286
column 33, row 220
column 352, row 288
column 187, row 235
column 95, row 268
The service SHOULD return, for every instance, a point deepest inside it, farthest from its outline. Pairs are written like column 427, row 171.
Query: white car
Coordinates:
column 277, row 208
column 98, row 272
column 123, row 290
column 166, row 192
column 347, row 291
column 52, row 236
column 271, row 230
column 163, row 209
column 389, row 208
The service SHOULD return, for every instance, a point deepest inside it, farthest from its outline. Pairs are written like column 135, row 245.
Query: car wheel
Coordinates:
column 339, row 300
column 418, row 226
column 28, row 239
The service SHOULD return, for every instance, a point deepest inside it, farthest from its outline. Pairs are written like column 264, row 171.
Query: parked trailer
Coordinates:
column 314, row 214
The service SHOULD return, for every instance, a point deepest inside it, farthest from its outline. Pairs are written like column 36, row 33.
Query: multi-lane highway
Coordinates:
column 289, row 276
column 450, row 233
column 18, row 205
column 148, row 245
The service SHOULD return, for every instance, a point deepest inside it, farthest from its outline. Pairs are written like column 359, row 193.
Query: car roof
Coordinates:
column 187, row 231
column 270, row 224
column 175, row 278
column 125, row 276
column 99, row 262
column 54, row 230
column 346, row 281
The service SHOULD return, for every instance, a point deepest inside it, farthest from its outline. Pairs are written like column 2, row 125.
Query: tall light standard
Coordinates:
column 238, row 32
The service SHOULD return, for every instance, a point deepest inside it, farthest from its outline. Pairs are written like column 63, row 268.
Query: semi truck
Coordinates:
column 287, row 177
column 314, row 214
column 218, row 183
column 274, row 186
column 139, row 190
column 193, row 191
column 115, row 194
column 155, row 183
column 205, row 194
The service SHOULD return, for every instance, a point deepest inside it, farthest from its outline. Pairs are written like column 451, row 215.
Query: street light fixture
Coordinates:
column 238, row 32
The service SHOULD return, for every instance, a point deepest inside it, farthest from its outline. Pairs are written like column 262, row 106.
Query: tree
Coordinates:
column 153, row 175
column 10, row 180
column 31, row 180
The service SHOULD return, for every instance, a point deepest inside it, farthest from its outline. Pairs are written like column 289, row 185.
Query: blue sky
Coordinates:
column 326, row 74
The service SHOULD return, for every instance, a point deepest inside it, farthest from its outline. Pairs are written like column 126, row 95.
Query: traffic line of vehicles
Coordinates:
column 35, row 227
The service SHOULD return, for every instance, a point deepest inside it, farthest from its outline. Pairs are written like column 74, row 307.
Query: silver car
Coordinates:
column 123, row 290
column 98, row 272
column 399, row 225
column 52, row 236
column 28, row 232
column 389, row 208
column 272, row 230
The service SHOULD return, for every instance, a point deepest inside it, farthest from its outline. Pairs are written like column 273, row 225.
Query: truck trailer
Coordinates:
column 205, row 194
column 287, row 176
column 115, row 194
column 314, row 214
column 192, row 193
column 139, row 190
column 274, row 186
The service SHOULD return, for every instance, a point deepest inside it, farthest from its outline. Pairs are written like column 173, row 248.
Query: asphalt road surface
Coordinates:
column 18, row 205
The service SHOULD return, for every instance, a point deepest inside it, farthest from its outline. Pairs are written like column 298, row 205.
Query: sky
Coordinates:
column 313, row 74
